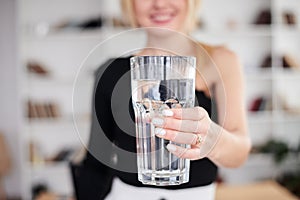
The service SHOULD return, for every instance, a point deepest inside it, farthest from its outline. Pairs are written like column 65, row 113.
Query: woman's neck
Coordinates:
column 169, row 44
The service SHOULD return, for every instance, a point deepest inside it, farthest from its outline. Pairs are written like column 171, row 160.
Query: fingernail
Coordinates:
column 167, row 113
column 160, row 131
column 171, row 147
column 157, row 121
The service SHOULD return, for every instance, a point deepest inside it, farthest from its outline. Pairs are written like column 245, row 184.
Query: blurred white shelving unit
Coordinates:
column 230, row 23
column 48, row 142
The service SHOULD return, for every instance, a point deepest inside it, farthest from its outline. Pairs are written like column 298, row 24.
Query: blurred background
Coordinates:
column 43, row 43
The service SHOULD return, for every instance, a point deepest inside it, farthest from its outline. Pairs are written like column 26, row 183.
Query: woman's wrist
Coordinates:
column 211, row 139
column 230, row 149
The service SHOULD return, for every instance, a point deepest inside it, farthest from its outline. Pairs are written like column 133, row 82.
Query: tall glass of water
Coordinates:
column 159, row 83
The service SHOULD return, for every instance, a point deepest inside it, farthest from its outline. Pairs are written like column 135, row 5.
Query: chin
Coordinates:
column 162, row 31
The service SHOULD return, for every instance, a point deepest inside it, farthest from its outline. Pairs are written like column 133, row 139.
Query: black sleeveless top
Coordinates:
column 112, row 144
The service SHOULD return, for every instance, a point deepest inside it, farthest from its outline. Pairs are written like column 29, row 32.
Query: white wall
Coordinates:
column 10, row 113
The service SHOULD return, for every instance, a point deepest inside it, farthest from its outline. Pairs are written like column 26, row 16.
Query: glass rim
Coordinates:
column 164, row 56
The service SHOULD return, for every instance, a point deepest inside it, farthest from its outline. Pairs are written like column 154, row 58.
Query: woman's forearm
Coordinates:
column 231, row 149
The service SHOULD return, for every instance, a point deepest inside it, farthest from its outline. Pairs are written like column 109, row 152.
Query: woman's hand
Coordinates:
column 191, row 126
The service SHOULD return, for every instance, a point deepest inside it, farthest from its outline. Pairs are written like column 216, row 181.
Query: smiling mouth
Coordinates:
column 162, row 18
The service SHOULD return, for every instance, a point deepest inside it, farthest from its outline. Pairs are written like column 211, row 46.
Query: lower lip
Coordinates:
column 162, row 22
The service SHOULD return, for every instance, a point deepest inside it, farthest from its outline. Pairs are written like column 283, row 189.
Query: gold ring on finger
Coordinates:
column 199, row 139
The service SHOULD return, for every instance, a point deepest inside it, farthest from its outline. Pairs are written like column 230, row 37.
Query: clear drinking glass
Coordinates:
column 159, row 83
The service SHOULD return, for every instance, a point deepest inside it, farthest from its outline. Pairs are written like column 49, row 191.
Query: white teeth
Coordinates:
column 161, row 17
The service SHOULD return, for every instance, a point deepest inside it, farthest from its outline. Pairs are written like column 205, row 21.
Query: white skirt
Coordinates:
column 123, row 191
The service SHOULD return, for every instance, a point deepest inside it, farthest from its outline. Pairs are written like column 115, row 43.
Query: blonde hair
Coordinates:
column 191, row 19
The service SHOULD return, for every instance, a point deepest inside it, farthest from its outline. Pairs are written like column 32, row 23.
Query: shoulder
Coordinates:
column 224, row 60
column 221, row 54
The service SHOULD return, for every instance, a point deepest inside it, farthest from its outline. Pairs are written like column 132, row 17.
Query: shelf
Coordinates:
column 286, row 29
column 275, row 116
column 287, row 73
column 106, row 32
column 65, row 124
column 259, row 159
column 56, row 89
column 71, row 33
column 76, row 33
column 83, row 118
column 291, row 158
column 259, row 116
column 247, row 31
column 286, row 117
column 63, row 165
column 55, row 80
column 259, row 74
column 259, row 166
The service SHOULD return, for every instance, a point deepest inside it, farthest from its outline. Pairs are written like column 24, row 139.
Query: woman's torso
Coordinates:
column 115, row 80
